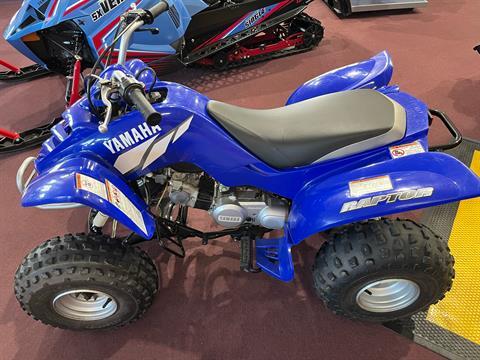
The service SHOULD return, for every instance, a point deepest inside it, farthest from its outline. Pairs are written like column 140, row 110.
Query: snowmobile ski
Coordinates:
column 27, row 73
column 11, row 142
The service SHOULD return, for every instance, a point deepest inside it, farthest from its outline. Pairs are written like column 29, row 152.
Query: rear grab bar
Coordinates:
column 452, row 129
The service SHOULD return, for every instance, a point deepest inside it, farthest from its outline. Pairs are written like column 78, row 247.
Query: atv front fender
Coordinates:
column 105, row 191
column 373, row 73
column 424, row 180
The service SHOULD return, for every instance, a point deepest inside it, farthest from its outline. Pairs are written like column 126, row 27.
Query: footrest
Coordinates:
column 274, row 258
column 245, row 253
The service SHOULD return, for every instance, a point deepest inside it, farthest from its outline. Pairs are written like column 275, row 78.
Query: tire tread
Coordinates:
column 377, row 245
column 96, row 258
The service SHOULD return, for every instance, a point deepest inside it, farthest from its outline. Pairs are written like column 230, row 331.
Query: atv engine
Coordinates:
column 233, row 207
column 229, row 207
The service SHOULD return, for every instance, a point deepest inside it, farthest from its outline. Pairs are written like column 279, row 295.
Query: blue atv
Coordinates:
column 345, row 151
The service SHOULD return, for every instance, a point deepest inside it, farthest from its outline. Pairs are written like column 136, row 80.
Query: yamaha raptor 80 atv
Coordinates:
column 67, row 37
column 345, row 151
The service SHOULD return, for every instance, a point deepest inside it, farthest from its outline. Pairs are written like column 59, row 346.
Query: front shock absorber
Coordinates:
column 74, row 66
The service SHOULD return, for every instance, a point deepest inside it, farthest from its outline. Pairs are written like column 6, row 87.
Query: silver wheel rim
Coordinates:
column 85, row 305
column 388, row 295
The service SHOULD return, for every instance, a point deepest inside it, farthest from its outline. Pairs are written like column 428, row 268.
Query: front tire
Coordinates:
column 86, row 282
column 382, row 270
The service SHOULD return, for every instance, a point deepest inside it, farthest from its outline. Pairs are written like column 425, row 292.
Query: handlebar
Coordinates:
column 140, row 17
column 136, row 96
column 131, row 89
column 156, row 10
column 133, row 93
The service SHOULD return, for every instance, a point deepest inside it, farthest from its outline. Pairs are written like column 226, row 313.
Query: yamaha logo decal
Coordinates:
column 147, row 149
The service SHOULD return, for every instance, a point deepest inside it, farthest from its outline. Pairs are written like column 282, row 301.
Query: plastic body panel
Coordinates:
column 101, row 31
column 370, row 74
column 450, row 179
column 58, row 185
column 347, row 7
column 376, row 5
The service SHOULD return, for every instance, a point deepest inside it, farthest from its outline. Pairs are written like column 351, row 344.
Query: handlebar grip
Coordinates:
column 157, row 9
column 136, row 96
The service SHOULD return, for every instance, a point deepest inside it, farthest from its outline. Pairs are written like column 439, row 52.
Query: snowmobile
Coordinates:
column 143, row 152
column 67, row 37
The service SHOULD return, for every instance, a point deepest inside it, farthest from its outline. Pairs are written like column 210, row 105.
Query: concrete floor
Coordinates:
column 206, row 308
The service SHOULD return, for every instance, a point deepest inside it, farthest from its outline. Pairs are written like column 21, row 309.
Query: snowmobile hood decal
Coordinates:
column 76, row 6
column 104, row 8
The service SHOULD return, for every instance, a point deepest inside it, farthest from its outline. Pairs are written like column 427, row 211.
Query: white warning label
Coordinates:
column 87, row 183
column 121, row 202
column 406, row 149
column 370, row 186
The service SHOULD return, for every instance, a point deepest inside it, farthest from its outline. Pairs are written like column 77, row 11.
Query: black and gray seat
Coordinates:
column 315, row 130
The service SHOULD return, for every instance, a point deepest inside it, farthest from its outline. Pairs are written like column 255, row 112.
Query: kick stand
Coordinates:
column 246, row 255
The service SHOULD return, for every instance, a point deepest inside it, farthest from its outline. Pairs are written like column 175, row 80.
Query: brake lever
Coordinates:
column 106, row 92
column 153, row 31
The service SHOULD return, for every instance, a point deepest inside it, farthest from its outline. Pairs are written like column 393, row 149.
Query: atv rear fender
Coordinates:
column 418, row 181
column 370, row 74
column 104, row 190
column 423, row 180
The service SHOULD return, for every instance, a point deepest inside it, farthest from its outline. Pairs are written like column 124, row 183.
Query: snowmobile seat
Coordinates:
column 319, row 129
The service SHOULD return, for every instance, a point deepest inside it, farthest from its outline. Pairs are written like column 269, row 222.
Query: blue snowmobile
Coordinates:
column 67, row 37
column 345, row 151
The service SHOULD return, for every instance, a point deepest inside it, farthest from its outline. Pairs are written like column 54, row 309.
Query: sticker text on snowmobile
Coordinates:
column 131, row 137
column 105, row 7
column 257, row 15
column 387, row 199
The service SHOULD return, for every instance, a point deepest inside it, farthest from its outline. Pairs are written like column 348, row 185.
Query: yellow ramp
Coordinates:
column 459, row 312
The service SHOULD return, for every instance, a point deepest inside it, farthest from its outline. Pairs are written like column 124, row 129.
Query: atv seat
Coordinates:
column 315, row 130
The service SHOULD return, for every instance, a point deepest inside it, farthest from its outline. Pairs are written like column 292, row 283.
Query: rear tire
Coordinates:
column 86, row 282
column 382, row 270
